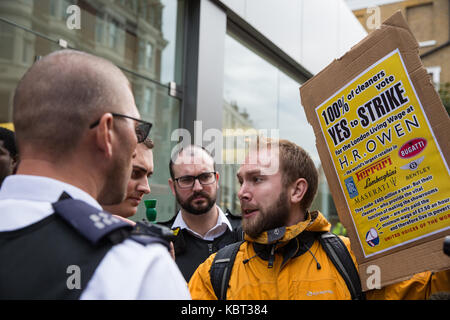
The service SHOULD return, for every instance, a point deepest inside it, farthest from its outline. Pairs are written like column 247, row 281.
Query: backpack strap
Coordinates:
column 221, row 267
column 338, row 253
column 336, row 250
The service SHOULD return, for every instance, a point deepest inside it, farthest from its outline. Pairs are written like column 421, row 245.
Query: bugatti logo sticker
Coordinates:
column 412, row 148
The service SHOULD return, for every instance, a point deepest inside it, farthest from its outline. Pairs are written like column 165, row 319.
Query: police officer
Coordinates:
column 77, row 128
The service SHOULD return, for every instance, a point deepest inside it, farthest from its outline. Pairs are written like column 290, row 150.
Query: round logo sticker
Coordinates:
column 372, row 238
column 412, row 148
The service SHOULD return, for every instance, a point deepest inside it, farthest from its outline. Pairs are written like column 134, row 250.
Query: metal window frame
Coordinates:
column 201, row 34
column 264, row 47
column 204, row 36
column 206, row 24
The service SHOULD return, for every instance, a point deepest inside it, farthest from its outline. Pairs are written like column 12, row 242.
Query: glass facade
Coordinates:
column 139, row 36
column 146, row 39
column 260, row 95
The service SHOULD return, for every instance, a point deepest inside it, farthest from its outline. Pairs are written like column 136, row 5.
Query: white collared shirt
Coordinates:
column 128, row 271
column 216, row 231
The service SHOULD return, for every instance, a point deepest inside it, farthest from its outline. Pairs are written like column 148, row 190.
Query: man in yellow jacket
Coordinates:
column 281, row 257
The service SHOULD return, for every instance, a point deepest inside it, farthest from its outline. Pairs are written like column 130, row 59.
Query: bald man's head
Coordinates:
column 61, row 94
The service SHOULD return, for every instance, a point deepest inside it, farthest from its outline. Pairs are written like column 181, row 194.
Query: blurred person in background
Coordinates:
column 8, row 153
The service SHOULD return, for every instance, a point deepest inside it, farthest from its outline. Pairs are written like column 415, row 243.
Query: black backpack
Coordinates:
column 336, row 250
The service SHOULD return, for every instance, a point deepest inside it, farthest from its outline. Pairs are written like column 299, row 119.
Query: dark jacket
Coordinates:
column 191, row 251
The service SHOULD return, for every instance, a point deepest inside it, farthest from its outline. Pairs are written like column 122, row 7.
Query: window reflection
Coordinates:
column 257, row 94
column 250, row 84
column 136, row 35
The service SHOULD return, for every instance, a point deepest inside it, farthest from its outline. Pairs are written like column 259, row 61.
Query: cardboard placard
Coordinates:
column 382, row 135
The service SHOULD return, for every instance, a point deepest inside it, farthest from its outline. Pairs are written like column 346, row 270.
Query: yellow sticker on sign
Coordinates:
column 390, row 167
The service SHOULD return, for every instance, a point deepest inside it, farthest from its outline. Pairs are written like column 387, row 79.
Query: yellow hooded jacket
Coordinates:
column 292, row 273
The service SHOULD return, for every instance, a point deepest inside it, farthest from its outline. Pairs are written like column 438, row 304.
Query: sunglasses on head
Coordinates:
column 142, row 129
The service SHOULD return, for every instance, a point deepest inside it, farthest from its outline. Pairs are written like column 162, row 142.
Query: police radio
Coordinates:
column 149, row 226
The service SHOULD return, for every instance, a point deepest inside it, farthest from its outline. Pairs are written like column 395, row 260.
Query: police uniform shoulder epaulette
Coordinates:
column 93, row 224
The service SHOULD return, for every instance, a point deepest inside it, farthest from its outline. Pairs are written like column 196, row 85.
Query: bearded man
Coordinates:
column 285, row 254
column 204, row 227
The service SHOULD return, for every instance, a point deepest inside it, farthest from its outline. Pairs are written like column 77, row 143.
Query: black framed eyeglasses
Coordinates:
column 142, row 129
column 204, row 178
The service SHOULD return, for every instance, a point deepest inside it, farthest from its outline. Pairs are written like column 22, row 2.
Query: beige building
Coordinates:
column 235, row 123
column 127, row 32
column 429, row 21
column 230, row 64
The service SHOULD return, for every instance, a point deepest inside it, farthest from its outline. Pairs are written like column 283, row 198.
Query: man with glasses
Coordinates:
column 204, row 228
column 77, row 128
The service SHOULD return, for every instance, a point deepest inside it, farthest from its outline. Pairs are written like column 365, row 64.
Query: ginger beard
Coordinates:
column 271, row 217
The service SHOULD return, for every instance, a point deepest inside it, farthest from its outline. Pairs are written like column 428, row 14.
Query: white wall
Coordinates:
column 361, row 4
column 313, row 32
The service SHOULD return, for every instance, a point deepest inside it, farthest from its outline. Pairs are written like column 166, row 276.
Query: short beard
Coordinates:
column 115, row 189
column 270, row 218
column 189, row 207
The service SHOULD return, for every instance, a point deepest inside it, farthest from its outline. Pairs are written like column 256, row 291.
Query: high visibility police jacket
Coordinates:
column 285, row 266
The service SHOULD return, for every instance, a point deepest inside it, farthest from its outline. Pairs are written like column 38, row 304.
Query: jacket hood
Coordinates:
column 319, row 223
column 315, row 222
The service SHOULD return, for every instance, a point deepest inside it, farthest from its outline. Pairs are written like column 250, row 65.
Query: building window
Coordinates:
column 109, row 31
column 435, row 73
column 7, row 41
column 58, row 8
column 420, row 19
column 53, row 8
column 258, row 95
column 27, row 52
column 113, row 35
column 145, row 54
column 147, row 101
column 99, row 26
